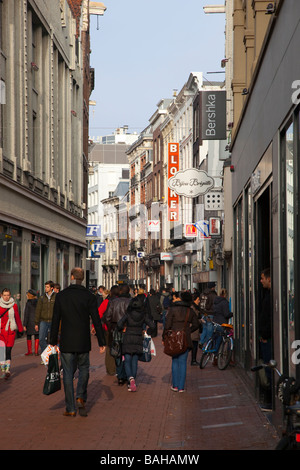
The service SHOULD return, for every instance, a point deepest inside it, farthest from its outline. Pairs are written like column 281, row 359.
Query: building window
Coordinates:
column 239, row 278
column 10, row 259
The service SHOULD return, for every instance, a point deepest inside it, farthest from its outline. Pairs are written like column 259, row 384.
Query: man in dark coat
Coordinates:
column 265, row 337
column 154, row 309
column 74, row 307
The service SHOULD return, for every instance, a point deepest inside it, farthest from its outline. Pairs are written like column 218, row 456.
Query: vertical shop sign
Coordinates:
column 173, row 167
column 213, row 115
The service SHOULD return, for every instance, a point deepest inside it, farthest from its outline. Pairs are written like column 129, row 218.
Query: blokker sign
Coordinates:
column 173, row 168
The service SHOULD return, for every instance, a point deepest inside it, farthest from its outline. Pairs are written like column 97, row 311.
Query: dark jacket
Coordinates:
column 196, row 334
column 165, row 300
column 221, row 310
column 44, row 308
column 265, row 317
column 207, row 301
column 154, row 306
column 135, row 319
column 29, row 315
column 75, row 307
column 176, row 317
column 116, row 309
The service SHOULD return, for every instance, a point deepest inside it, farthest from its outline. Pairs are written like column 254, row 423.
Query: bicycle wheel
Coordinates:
column 206, row 354
column 224, row 353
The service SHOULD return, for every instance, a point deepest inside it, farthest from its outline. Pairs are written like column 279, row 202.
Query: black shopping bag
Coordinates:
column 146, row 356
column 52, row 382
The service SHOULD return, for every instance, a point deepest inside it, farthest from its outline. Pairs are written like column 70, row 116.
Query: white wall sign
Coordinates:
column 153, row 225
column 166, row 256
column 191, row 183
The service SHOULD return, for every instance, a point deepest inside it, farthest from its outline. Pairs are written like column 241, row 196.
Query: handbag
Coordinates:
column 53, row 381
column 116, row 345
column 175, row 342
column 146, row 354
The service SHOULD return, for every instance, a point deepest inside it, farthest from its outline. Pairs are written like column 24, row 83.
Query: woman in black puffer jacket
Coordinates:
column 134, row 320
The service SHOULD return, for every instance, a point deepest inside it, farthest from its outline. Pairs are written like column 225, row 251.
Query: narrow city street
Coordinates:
column 217, row 411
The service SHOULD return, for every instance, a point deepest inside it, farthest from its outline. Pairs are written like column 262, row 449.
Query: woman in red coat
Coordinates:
column 10, row 321
column 110, row 362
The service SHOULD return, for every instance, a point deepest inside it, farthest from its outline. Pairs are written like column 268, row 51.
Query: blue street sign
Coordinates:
column 93, row 231
column 99, row 247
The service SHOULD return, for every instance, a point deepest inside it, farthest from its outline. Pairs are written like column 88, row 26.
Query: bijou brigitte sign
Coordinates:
column 191, row 183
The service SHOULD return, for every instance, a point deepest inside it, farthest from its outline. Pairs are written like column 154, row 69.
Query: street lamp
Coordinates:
column 214, row 9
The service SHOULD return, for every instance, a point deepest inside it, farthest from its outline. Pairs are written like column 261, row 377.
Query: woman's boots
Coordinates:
column 29, row 347
column 36, row 347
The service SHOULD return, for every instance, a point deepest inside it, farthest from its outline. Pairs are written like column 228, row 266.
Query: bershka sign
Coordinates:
column 213, row 125
column 173, row 168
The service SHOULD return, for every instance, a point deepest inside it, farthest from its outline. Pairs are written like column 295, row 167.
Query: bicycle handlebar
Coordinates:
column 272, row 364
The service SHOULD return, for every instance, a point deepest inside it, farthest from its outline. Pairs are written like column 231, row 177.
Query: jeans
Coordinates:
column 120, row 369
column 44, row 327
column 179, row 364
column 131, row 365
column 70, row 362
column 207, row 330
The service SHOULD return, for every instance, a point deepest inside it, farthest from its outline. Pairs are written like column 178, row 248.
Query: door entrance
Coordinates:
column 263, row 289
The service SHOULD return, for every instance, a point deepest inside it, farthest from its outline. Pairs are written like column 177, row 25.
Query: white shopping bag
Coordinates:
column 46, row 353
column 152, row 348
column 2, row 351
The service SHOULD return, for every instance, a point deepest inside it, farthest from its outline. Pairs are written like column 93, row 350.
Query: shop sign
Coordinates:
column 191, row 182
column 215, row 226
column 166, row 256
column 93, row 231
column 173, row 168
column 190, row 231
column 153, row 225
column 203, row 228
column 213, row 123
column 99, row 247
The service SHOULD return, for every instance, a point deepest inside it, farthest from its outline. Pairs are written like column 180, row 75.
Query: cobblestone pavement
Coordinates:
column 217, row 411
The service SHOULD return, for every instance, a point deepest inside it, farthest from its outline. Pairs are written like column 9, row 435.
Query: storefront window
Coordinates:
column 39, row 262
column 249, row 277
column 289, row 229
column 10, row 259
column 62, row 265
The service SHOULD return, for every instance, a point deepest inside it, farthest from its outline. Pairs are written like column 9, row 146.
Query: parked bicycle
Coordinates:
column 223, row 351
column 288, row 392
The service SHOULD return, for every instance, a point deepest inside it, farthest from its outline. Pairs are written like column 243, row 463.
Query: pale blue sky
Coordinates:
column 144, row 50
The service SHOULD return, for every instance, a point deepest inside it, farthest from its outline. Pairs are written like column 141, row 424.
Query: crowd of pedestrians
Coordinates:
column 69, row 317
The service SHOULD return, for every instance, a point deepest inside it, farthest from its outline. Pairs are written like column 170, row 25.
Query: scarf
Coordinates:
column 11, row 314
